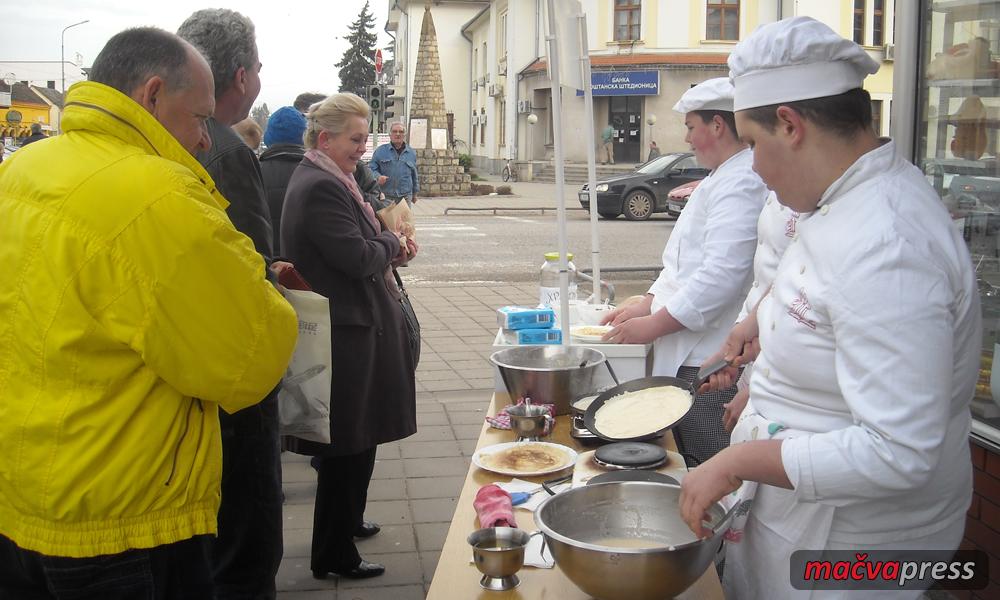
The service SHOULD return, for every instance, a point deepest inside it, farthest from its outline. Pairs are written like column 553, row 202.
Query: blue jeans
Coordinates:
column 247, row 553
column 178, row 570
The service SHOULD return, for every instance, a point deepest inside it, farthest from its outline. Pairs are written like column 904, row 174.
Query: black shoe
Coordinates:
column 364, row 570
column 366, row 530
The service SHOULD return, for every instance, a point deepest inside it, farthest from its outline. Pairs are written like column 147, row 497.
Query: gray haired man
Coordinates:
column 248, row 550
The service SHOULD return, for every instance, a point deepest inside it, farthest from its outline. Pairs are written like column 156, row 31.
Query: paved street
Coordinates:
column 470, row 263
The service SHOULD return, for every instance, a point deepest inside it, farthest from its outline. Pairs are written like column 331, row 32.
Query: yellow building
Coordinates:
column 33, row 107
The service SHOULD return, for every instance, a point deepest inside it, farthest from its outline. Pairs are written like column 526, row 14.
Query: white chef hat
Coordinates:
column 795, row 59
column 711, row 94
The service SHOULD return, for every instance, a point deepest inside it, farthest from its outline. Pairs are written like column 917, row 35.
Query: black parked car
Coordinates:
column 643, row 192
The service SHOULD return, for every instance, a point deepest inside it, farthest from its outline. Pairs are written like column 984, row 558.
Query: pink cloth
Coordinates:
column 326, row 163
column 493, row 507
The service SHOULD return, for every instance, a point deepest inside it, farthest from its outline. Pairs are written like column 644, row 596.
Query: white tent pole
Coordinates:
column 588, row 106
column 559, row 166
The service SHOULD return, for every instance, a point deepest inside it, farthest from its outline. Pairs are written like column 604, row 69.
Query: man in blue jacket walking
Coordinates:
column 395, row 165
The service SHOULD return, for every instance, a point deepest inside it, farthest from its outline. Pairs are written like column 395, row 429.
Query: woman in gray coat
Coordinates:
column 338, row 245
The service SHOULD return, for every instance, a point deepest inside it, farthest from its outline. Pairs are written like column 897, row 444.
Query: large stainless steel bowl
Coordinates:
column 549, row 374
column 578, row 525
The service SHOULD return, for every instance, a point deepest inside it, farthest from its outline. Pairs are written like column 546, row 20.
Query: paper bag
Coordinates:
column 304, row 397
column 398, row 217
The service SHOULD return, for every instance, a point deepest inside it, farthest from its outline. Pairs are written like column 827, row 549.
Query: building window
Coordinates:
column 627, row 20
column 474, row 129
column 859, row 21
column 877, row 116
column 723, row 20
column 878, row 25
column 502, row 38
column 482, row 126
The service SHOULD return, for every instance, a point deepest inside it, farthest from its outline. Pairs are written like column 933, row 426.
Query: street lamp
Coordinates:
column 62, row 59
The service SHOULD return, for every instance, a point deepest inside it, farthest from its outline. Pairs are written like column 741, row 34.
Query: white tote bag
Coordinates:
column 304, row 397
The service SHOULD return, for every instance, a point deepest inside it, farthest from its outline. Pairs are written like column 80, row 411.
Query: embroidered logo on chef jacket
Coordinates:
column 790, row 224
column 800, row 307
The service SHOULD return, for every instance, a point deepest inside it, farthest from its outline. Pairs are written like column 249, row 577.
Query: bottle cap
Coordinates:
column 553, row 256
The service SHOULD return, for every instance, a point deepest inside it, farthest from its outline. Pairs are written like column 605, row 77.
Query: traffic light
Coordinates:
column 375, row 103
column 387, row 102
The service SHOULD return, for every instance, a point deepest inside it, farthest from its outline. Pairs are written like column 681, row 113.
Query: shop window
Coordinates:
column 482, row 126
column 502, row 120
column 859, row 21
column 723, row 20
column 627, row 19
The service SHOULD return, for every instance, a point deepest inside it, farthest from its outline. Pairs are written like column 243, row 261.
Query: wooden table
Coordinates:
column 457, row 578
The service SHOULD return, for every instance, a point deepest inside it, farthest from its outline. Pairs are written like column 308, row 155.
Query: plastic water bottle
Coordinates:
column 548, row 289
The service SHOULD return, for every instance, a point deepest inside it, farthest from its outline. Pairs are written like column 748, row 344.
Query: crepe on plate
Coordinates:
column 525, row 458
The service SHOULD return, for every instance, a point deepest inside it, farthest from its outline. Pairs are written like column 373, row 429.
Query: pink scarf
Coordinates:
column 326, row 163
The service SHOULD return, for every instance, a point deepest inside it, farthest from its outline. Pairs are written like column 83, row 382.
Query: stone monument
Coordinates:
column 438, row 168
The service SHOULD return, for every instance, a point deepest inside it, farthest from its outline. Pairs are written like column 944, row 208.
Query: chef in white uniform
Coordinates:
column 707, row 265
column 856, row 432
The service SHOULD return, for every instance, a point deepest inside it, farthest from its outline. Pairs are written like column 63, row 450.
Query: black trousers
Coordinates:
column 702, row 434
column 341, row 495
column 247, row 553
column 173, row 571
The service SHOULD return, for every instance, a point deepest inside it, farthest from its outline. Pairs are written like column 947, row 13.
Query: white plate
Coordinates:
column 569, row 453
column 577, row 333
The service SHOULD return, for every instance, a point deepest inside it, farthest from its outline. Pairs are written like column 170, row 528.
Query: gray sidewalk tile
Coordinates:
column 434, row 487
column 428, row 562
column 297, row 472
column 430, row 449
column 432, row 433
column 299, row 492
column 388, row 469
column 446, row 385
column 430, row 536
column 468, row 446
column 297, row 516
column 392, row 538
column 435, row 467
column 387, row 451
column 298, row 543
column 435, row 418
column 389, row 513
column 432, row 510
column 400, row 592
column 467, row 432
column 387, row 489
column 458, row 417
column 294, row 574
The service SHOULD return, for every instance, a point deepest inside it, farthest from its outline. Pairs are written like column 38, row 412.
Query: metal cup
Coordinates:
column 499, row 554
column 528, row 421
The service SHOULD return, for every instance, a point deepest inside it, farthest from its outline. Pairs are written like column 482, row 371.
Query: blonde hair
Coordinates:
column 250, row 131
column 331, row 115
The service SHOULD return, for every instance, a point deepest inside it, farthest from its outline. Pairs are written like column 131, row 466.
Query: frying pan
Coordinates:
column 590, row 416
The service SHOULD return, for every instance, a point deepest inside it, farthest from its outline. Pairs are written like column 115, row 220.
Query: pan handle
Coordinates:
column 552, row 482
column 607, row 363
column 723, row 522
column 708, row 370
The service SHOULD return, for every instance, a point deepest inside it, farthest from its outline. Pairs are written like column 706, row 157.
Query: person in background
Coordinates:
column 395, row 167
column 133, row 312
column 283, row 139
column 36, row 135
column 249, row 131
column 248, row 551
column 856, row 433
column 707, row 266
column 608, row 145
column 306, row 99
column 341, row 249
column 654, row 151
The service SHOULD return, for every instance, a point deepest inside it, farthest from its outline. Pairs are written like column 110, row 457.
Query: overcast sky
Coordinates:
column 298, row 42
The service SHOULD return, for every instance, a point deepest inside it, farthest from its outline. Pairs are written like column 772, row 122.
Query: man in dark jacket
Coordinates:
column 248, row 550
column 36, row 135
column 283, row 139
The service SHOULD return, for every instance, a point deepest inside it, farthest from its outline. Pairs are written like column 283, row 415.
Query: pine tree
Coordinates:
column 357, row 66
column 260, row 115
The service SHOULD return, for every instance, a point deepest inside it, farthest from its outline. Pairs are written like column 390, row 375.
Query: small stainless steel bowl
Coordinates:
column 499, row 555
column 528, row 421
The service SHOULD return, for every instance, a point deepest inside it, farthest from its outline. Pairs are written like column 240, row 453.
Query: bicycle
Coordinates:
column 509, row 172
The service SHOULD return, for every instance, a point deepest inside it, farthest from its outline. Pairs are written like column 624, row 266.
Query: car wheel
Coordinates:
column 638, row 206
column 608, row 215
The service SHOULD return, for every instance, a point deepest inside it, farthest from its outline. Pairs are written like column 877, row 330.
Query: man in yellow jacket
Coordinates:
column 130, row 312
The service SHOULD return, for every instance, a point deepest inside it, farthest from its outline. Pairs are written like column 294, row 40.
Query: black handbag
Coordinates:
column 410, row 318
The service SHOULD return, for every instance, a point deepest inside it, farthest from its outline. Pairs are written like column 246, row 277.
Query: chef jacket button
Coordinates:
column 760, row 242
column 802, row 270
column 755, row 284
column 781, row 207
column 373, row 279
column 825, row 209
column 767, row 372
column 378, row 331
column 769, row 202
column 795, row 237
column 773, row 325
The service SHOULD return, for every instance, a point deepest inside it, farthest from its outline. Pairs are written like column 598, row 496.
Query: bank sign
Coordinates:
column 624, row 83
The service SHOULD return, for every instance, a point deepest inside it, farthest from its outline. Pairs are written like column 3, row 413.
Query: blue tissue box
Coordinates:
column 539, row 336
column 521, row 317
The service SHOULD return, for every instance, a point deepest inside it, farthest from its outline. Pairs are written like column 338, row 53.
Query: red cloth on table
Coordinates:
column 493, row 507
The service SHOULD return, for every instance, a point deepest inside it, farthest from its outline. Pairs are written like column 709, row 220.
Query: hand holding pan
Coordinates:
column 590, row 416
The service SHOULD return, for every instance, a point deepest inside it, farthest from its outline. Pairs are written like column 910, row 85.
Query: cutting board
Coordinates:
column 586, row 467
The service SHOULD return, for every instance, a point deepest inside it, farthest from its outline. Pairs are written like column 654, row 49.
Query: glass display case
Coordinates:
column 956, row 146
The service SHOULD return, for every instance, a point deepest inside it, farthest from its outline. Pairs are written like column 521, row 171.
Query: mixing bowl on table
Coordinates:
column 626, row 540
column 549, row 374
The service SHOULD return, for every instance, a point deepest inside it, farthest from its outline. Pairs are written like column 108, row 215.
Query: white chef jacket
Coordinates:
column 870, row 343
column 775, row 228
column 707, row 263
